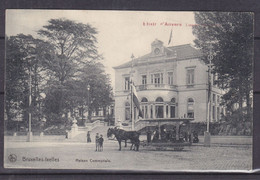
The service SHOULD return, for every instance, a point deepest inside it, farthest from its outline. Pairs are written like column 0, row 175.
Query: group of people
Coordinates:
column 170, row 135
column 99, row 141
column 165, row 135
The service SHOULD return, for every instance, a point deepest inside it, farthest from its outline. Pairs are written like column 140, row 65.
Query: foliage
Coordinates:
column 231, row 36
column 61, row 64
column 23, row 63
column 72, row 45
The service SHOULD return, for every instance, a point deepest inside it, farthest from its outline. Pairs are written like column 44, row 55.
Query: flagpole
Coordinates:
column 131, row 88
column 170, row 39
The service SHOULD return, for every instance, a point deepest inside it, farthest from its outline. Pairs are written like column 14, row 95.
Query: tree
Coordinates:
column 23, row 62
column 231, row 35
column 60, row 65
column 72, row 43
column 15, row 81
column 72, row 64
column 100, row 89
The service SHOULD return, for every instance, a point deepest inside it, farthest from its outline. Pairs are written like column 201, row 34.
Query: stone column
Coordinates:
column 74, row 128
column 169, row 113
column 164, row 111
column 154, row 111
column 149, row 111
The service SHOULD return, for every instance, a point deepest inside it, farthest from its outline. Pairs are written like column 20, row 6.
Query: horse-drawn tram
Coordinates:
column 158, row 134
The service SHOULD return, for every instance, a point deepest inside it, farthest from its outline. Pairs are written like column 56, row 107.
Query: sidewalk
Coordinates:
column 229, row 140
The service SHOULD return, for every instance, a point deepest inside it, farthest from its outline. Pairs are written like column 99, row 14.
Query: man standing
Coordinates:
column 101, row 140
column 97, row 142
column 88, row 137
column 149, row 136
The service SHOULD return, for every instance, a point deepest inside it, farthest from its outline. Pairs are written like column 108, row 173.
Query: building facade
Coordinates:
column 171, row 82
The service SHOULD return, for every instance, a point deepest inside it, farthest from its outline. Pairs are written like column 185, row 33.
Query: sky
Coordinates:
column 120, row 33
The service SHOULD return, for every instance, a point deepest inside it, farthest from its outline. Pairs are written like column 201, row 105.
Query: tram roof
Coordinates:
column 168, row 119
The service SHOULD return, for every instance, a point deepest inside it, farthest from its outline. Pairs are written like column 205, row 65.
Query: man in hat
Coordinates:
column 97, row 142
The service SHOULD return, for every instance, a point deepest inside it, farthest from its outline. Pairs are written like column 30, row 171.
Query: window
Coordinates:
column 214, row 98
column 151, row 111
column 218, row 114
column 190, row 76
column 190, row 109
column 127, row 111
column 127, row 83
column 144, row 100
column 144, row 79
column 144, row 107
column 159, row 108
column 213, row 112
column 173, row 100
column 157, row 78
column 215, row 79
column 218, row 99
column 145, row 111
column 167, row 111
column 170, row 78
column 159, row 99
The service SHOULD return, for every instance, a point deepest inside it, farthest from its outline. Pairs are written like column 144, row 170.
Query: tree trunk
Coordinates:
column 240, row 103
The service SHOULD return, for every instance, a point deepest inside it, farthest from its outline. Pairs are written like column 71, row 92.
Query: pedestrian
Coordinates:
column 67, row 136
column 156, row 135
column 149, row 136
column 101, row 140
column 88, row 137
column 97, row 142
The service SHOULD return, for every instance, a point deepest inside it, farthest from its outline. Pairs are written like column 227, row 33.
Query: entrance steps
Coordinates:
column 82, row 133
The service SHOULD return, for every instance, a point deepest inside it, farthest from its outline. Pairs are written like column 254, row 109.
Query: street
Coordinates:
column 72, row 155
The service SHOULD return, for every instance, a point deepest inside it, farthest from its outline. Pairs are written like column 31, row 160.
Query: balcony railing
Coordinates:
column 155, row 86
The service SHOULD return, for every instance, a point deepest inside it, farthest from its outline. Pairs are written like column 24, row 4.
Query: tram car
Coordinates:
column 174, row 134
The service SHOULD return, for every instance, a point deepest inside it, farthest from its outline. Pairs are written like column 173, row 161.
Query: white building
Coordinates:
column 171, row 82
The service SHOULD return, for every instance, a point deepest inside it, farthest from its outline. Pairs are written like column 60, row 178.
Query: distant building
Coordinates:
column 171, row 82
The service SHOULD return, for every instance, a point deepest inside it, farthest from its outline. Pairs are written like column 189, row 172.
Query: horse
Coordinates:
column 121, row 135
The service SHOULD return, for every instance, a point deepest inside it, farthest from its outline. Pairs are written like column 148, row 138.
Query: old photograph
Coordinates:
column 128, row 90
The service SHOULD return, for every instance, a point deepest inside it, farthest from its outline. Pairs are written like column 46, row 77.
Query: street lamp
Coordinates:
column 88, row 88
column 29, row 137
column 131, row 104
column 207, row 133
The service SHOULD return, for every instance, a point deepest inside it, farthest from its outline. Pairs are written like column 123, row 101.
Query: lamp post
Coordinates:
column 131, row 104
column 88, row 88
column 207, row 133
column 29, row 138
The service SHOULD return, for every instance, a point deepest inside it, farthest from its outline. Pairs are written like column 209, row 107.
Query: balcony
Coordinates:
column 144, row 87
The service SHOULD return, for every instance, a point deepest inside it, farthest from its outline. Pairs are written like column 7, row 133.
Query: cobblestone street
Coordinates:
column 63, row 155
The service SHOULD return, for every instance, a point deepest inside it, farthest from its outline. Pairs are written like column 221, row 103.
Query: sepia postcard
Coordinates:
column 128, row 90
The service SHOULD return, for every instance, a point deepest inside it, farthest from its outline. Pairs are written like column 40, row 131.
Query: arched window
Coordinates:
column 190, row 100
column 171, row 108
column 127, row 111
column 190, row 108
column 144, row 107
column 159, row 108
column 159, row 99
column 144, row 100
column 173, row 100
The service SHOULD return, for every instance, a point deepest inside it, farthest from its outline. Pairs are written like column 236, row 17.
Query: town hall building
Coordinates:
column 171, row 82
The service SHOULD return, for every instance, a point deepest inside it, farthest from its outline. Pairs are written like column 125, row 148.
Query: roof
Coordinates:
column 180, row 52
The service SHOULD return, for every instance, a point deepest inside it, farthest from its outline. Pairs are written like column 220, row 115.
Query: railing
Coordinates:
column 91, row 126
column 156, row 86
